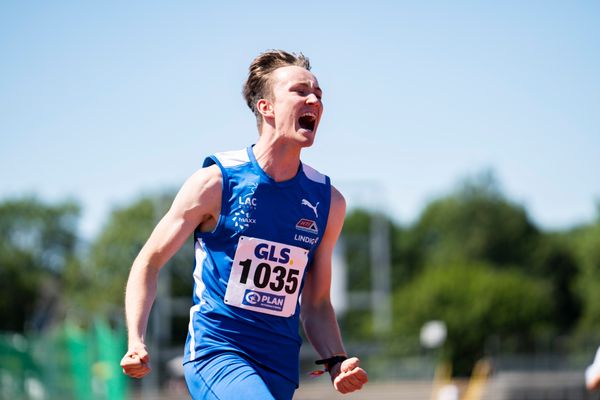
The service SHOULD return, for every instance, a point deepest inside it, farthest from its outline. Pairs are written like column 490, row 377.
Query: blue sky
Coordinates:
column 105, row 101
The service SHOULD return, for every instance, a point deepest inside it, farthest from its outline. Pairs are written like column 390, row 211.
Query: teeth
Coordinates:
column 309, row 114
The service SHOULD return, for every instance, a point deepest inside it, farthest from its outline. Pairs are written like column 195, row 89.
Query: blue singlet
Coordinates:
column 250, row 270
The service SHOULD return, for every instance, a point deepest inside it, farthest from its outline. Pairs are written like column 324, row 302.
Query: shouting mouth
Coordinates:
column 307, row 121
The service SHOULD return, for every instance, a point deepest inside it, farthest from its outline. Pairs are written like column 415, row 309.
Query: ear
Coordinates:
column 265, row 108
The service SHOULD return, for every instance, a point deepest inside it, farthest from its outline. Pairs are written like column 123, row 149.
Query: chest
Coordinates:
column 294, row 214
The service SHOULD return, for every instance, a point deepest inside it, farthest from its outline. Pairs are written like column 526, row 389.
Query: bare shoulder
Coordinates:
column 337, row 214
column 338, row 203
column 203, row 183
column 199, row 198
column 206, row 178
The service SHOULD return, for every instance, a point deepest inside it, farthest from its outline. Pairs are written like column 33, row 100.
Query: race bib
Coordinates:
column 266, row 276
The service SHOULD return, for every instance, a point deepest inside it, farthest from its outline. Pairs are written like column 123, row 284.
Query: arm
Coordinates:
column 592, row 373
column 197, row 204
column 317, row 314
column 594, row 383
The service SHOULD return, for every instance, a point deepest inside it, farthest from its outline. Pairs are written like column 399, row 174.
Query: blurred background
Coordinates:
column 464, row 135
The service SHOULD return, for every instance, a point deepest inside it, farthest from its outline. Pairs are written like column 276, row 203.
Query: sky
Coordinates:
column 103, row 102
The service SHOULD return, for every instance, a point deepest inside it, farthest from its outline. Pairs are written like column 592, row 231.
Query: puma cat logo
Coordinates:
column 309, row 205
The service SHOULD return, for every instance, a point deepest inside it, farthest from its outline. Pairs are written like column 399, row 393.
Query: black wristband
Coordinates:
column 331, row 362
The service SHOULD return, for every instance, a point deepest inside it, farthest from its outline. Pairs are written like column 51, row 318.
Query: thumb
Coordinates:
column 350, row 364
column 140, row 353
column 143, row 355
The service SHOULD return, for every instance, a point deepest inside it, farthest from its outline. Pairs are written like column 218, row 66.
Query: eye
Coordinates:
column 302, row 91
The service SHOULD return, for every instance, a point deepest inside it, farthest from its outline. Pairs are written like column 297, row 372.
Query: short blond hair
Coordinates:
column 258, row 84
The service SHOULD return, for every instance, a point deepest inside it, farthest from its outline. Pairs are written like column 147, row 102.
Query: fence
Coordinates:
column 67, row 363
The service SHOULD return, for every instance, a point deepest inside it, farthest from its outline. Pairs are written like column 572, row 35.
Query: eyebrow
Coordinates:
column 309, row 85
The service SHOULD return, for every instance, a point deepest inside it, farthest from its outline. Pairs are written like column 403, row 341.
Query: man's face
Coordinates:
column 297, row 105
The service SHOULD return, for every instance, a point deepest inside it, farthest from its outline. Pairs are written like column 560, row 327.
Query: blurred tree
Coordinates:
column 358, row 228
column 553, row 260
column 38, row 242
column 355, row 234
column 586, row 244
column 476, row 302
column 356, row 323
column 475, row 223
column 104, row 274
column 478, row 224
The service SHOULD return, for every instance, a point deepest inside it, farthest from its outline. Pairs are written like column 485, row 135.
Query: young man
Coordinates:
column 265, row 226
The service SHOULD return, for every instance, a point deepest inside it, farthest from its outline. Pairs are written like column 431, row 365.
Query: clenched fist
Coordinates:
column 136, row 362
column 350, row 377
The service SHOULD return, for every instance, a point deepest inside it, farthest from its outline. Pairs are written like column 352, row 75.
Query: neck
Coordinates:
column 278, row 159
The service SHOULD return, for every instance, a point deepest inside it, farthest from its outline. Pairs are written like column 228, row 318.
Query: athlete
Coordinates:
column 592, row 373
column 264, row 225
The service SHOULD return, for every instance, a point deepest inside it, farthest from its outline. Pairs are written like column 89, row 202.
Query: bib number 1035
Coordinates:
column 265, row 276
column 277, row 278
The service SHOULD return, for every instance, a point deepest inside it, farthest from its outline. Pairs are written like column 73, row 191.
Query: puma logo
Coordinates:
column 309, row 205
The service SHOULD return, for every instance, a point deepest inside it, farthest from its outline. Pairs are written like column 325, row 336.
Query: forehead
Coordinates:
column 290, row 75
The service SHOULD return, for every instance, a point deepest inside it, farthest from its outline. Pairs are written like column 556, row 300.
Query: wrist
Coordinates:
column 134, row 343
column 332, row 364
column 335, row 370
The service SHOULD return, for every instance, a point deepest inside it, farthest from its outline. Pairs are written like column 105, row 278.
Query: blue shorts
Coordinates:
column 229, row 376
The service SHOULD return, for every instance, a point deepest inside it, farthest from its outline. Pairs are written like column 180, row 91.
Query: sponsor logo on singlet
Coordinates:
column 311, row 206
column 246, row 204
column 307, row 225
column 306, row 239
column 263, row 300
column 266, row 276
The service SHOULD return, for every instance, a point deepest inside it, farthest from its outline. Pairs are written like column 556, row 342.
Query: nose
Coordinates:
column 312, row 99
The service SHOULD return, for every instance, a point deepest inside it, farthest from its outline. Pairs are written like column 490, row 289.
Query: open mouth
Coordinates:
column 307, row 121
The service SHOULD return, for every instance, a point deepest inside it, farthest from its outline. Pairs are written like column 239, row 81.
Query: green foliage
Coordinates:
column 37, row 243
column 105, row 272
column 586, row 244
column 476, row 302
column 356, row 235
column 356, row 242
column 110, row 256
column 554, row 261
column 476, row 230
column 475, row 223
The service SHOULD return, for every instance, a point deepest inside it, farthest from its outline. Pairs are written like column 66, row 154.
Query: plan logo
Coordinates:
column 307, row 225
column 251, row 298
column 263, row 300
